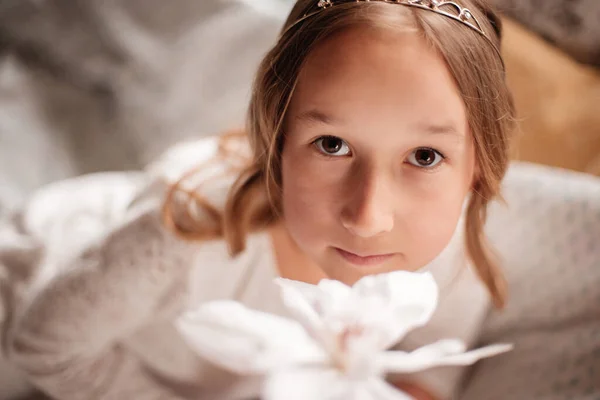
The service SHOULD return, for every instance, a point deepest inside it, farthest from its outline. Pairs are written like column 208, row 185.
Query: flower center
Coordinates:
column 353, row 356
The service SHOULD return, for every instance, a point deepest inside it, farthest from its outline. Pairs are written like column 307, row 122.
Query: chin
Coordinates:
column 349, row 274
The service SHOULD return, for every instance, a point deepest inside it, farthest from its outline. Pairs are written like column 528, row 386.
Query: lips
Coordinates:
column 364, row 261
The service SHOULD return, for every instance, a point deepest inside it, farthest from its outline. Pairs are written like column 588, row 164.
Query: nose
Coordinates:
column 369, row 209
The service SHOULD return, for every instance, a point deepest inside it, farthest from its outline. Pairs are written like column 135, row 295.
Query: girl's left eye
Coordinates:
column 425, row 158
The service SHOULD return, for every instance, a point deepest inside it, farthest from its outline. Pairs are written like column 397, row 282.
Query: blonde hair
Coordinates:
column 254, row 199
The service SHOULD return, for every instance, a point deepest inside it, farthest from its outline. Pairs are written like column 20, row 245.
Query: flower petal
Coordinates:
column 328, row 295
column 441, row 348
column 471, row 357
column 410, row 299
column 384, row 307
column 304, row 384
column 318, row 308
column 336, row 289
column 246, row 341
column 442, row 353
column 302, row 300
column 327, row 384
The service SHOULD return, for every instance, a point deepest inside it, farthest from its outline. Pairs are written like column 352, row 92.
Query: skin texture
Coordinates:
column 359, row 173
column 416, row 392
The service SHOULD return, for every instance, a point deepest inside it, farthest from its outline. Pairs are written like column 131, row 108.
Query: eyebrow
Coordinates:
column 315, row 116
column 439, row 129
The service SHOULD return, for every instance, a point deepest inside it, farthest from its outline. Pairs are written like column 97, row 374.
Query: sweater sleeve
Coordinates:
column 96, row 284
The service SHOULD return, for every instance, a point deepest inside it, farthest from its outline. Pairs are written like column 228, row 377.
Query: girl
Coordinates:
column 373, row 127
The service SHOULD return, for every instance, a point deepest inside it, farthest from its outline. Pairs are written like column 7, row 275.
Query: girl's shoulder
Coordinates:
column 70, row 215
column 97, row 201
column 199, row 161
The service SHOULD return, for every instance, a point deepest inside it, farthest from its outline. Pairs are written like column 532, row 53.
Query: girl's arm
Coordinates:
column 67, row 339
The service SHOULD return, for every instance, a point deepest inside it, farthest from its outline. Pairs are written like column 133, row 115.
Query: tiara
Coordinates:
column 449, row 9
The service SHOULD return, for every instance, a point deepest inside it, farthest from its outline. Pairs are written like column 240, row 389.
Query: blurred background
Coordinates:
column 96, row 85
column 90, row 85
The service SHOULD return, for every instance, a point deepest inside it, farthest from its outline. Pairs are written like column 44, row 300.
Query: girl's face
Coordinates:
column 378, row 157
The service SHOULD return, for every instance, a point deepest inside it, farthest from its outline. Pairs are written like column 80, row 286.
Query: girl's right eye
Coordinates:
column 332, row 146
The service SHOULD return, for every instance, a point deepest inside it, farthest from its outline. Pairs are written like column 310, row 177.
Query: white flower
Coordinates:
column 336, row 347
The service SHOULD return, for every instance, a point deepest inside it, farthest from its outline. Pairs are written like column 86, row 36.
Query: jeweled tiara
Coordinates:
column 449, row 9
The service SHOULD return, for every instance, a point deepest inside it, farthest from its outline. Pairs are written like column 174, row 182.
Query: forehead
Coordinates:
column 364, row 75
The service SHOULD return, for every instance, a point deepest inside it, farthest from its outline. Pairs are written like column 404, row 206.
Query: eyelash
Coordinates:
column 315, row 143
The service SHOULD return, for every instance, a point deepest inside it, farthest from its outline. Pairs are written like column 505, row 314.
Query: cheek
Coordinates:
column 436, row 210
column 309, row 198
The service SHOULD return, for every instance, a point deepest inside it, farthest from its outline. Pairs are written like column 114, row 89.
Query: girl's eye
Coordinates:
column 332, row 146
column 425, row 158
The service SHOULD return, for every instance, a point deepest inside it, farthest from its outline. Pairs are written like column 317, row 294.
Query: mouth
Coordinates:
column 364, row 260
